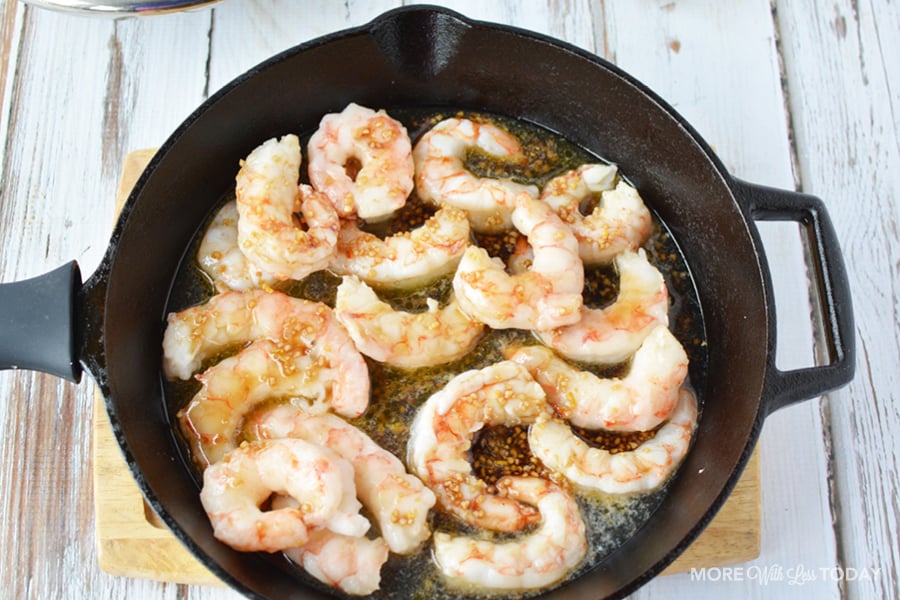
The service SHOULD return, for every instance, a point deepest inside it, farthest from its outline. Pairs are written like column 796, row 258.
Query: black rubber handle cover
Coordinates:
column 37, row 323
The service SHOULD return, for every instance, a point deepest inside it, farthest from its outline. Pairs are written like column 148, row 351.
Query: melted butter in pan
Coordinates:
column 496, row 451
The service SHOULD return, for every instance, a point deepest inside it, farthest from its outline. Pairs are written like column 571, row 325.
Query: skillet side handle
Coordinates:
column 37, row 323
column 831, row 285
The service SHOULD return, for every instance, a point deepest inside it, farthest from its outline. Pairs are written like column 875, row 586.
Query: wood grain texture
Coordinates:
column 45, row 455
column 11, row 15
column 846, row 108
column 70, row 113
column 790, row 92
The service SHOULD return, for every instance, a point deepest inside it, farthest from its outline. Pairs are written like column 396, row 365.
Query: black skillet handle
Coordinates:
column 831, row 284
column 37, row 323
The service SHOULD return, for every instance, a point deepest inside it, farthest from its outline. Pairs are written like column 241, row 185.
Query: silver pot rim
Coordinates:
column 121, row 8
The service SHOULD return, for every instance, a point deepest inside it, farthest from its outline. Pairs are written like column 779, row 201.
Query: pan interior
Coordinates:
column 397, row 394
column 452, row 63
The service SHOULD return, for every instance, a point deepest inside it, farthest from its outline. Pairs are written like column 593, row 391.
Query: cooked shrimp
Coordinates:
column 441, row 436
column 546, row 296
column 537, row 559
column 404, row 339
column 612, row 334
column 221, row 258
column 406, row 259
column 375, row 143
column 639, row 401
column 300, row 351
column 235, row 488
column 398, row 501
column 232, row 388
column 642, row 469
column 268, row 195
column 346, row 562
column 350, row 564
column 235, row 318
column 442, row 177
column 620, row 222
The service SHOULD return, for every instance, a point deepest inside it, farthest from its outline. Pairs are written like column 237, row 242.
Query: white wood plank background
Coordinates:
column 846, row 120
column 791, row 93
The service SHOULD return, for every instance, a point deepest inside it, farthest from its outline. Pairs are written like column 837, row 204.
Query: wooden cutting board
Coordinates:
column 133, row 542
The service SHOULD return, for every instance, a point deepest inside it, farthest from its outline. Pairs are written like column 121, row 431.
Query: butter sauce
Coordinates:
column 397, row 394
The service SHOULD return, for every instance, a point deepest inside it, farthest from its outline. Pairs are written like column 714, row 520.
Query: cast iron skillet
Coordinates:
column 112, row 325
